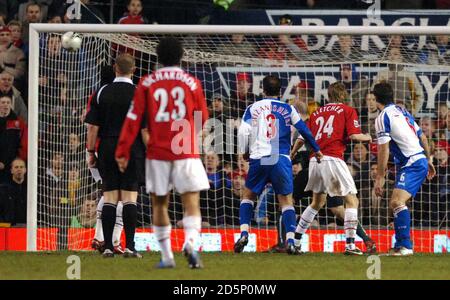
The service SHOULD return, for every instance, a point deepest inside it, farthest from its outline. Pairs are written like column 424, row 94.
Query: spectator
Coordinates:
column 441, row 123
column 238, row 45
column 13, row 202
column 56, row 210
column 428, row 127
column 345, row 51
column 219, row 110
column 55, row 19
column 16, row 33
column 242, row 96
column 211, row 201
column 440, row 211
column 74, row 148
column 242, row 166
column 13, row 137
column 73, row 183
column 134, row 14
column 12, row 59
column 33, row 14
column 56, row 169
column 214, row 130
column 436, row 52
column 87, row 217
column 357, row 86
column 406, row 86
column 232, row 199
column 217, row 178
column 7, row 89
column 303, row 102
column 369, row 113
column 284, row 47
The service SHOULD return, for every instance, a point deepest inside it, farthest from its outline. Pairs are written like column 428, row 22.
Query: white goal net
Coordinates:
column 231, row 68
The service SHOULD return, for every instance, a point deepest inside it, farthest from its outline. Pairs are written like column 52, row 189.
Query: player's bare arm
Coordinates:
column 91, row 139
column 426, row 147
column 383, row 157
column 297, row 145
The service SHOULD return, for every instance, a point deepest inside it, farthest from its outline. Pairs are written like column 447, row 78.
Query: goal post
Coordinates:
column 218, row 66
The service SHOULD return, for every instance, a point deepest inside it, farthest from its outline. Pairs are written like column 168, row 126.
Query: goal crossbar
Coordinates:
column 35, row 29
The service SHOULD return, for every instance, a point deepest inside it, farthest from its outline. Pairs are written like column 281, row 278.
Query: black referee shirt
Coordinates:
column 109, row 107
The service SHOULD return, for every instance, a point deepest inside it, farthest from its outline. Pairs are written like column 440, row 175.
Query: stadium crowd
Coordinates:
column 63, row 175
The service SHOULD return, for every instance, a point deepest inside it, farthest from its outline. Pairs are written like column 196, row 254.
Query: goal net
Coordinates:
column 231, row 68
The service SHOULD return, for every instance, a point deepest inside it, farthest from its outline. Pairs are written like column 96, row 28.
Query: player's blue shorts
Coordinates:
column 278, row 173
column 411, row 178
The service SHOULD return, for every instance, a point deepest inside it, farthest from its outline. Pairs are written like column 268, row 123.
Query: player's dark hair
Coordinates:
column 337, row 92
column 271, row 85
column 383, row 93
column 169, row 51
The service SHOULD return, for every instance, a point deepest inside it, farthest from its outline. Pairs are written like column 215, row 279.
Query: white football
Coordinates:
column 71, row 41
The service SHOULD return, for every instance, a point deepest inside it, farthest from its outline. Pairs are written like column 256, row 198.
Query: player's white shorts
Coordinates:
column 186, row 175
column 331, row 176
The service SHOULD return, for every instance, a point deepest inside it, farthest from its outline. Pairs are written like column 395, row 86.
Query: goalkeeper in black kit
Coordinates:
column 106, row 113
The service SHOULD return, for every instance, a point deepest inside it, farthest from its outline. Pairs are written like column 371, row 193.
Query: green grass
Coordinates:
column 20, row 265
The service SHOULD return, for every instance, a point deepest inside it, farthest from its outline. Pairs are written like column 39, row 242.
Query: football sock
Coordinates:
column 402, row 223
column 192, row 226
column 98, row 227
column 305, row 221
column 350, row 225
column 129, row 222
column 162, row 234
column 245, row 215
column 289, row 220
column 108, row 221
column 117, row 232
column 362, row 233
column 281, row 230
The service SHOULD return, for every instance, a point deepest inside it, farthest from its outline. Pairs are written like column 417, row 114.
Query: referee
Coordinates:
column 105, row 116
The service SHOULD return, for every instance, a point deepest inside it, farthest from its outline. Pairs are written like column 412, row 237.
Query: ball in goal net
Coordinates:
column 231, row 63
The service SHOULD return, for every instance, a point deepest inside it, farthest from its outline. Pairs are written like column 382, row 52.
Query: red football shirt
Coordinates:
column 332, row 125
column 176, row 110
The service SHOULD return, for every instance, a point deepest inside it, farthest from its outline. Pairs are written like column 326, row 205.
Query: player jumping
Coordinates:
column 172, row 99
column 265, row 133
column 332, row 125
column 398, row 133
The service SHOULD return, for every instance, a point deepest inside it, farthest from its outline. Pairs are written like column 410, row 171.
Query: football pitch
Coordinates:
column 223, row 266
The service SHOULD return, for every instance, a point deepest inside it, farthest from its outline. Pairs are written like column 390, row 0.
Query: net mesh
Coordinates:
column 231, row 69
